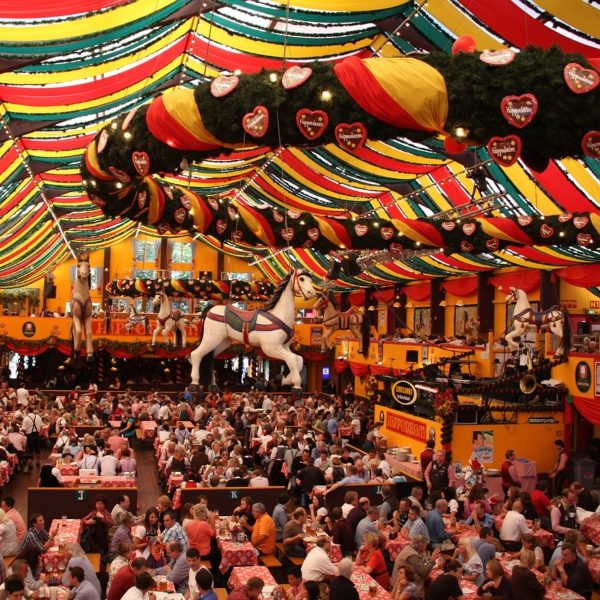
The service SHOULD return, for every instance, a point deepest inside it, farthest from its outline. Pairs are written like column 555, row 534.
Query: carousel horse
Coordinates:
column 270, row 328
column 333, row 320
column 81, row 308
column 525, row 318
column 134, row 319
column 168, row 321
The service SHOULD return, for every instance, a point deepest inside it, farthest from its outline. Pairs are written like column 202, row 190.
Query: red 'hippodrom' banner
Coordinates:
column 403, row 425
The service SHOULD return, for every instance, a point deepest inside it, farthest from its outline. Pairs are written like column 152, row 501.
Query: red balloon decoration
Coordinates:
column 452, row 146
column 465, row 43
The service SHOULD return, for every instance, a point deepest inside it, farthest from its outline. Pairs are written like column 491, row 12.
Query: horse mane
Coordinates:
column 278, row 291
column 331, row 297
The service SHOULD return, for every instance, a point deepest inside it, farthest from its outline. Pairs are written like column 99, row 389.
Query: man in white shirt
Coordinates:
column 22, row 397
column 317, row 565
column 350, row 501
column 108, row 464
column 32, row 426
column 143, row 584
column 258, row 479
column 123, row 505
column 513, row 527
column 195, row 564
column 267, row 404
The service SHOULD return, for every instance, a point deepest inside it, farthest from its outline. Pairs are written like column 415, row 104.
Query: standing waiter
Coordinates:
column 32, row 427
column 439, row 475
column 508, row 472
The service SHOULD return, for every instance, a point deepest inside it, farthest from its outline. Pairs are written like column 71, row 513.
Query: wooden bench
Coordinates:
column 139, row 434
column 270, row 561
column 207, row 564
column 94, row 558
column 8, row 560
column 222, row 593
column 295, row 560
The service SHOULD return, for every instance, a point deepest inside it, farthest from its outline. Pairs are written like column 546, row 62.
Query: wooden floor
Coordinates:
column 148, row 489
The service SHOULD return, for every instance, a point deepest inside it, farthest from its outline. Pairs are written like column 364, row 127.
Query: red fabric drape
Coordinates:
column 357, row 298
column 359, row 369
column 462, row 288
column 588, row 409
column 313, row 356
column 380, row 370
column 585, row 276
column 418, row 292
column 384, row 296
column 340, row 365
column 526, row 280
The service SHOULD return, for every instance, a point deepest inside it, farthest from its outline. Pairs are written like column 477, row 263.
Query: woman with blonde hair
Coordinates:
column 530, row 542
column 79, row 559
column 471, row 562
column 371, row 559
column 8, row 535
column 525, row 585
column 201, row 534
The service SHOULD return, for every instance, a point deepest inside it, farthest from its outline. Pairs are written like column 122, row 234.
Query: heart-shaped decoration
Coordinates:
column 307, row 244
column 311, row 123
column 492, row 244
column 352, row 137
column 223, row 85
column 579, row 79
column 236, row 236
column 505, row 150
column 386, row 233
column 580, row 222
column 277, row 216
column 524, row 220
column 497, row 58
column 213, row 203
column 519, row 110
column 180, row 214
column 256, row 123
column 185, row 202
column 141, row 198
column 294, row 214
column 590, row 144
column 396, row 248
column 119, row 175
column 221, row 226
column 466, row 246
column 168, row 191
column 583, row 239
column 287, row 233
column 313, row 233
column 231, row 212
column 469, row 228
column 102, row 141
column 565, row 217
column 361, row 229
column 162, row 228
column 128, row 118
column 546, row 231
column 295, row 76
column 141, row 162
column 448, row 225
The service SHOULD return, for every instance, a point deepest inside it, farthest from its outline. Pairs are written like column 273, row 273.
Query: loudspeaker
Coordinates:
column 468, row 415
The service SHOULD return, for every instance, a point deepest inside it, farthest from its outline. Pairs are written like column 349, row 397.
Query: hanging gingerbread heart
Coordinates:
column 565, row 217
column 448, row 225
column 128, row 118
column 313, row 233
column 168, row 192
column 180, row 214
column 579, row 79
column 519, row 110
column 312, row 123
column 277, row 216
column 295, row 76
column 396, row 248
column 524, row 220
column 469, row 228
column 185, row 202
column 505, row 150
column 591, row 144
column 231, row 212
column 287, row 233
column 141, row 198
column 361, row 229
column 141, row 162
column 236, row 236
column 223, row 85
column 497, row 58
column 102, row 141
column 584, row 239
column 162, row 228
column 466, row 246
column 386, row 233
column 120, row 175
column 546, row 231
column 492, row 244
column 221, row 226
column 213, row 203
column 256, row 123
column 580, row 222
column 351, row 137
column 294, row 214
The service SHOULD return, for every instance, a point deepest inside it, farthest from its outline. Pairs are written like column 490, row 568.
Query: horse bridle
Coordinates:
column 296, row 288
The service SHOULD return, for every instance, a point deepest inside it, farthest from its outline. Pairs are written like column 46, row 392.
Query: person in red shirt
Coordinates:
column 508, row 473
column 125, row 578
column 540, row 500
column 371, row 559
column 427, row 455
column 251, row 591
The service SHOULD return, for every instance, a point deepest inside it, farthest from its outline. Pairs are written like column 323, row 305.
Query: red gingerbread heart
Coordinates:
column 565, row 217
column 583, row 239
column 287, row 233
column 223, row 85
column 386, row 233
column 351, row 137
column 591, row 144
column 221, row 226
column 256, row 123
column 141, row 162
column 128, row 118
column 466, row 246
column 524, row 220
column 580, row 222
column 546, row 231
column 294, row 214
column 231, row 212
column 277, row 216
column 579, row 79
column 497, row 58
column 313, row 233
column 448, row 225
column 295, row 76
column 469, row 228
column 311, row 123
column 505, row 150
column 492, row 244
column 102, row 141
column 519, row 110
column 213, row 203
column 236, row 236
column 180, row 214
column 361, row 229
column 141, row 198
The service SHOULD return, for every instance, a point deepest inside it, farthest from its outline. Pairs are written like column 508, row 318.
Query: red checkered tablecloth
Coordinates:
column 468, row 588
column 394, row 547
column 234, row 554
column 594, row 567
column 508, row 563
column 174, row 481
column 54, row 561
column 591, row 529
column 68, row 469
column 362, row 581
column 148, row 429
column 240, row 575
column 6, row 470
column 101, row 482
column 70, row 531
column 177, row 496
column 558, row 592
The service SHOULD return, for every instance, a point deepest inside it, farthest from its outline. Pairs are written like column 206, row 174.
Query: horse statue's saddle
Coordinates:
column 538, row 318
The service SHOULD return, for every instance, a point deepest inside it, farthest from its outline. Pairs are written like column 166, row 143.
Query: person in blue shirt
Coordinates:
column 352, row 477
column 479, row 518
column 435, row 524
column 204, row 581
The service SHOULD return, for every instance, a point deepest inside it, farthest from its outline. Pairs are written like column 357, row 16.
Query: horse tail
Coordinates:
column 178, row 336
column 201, row 320
column 365, row 332
column 566, row 340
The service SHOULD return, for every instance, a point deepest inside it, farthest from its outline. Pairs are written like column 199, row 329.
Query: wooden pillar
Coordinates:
column 163, row 259
column 105, row 277
column 437, row 312
column 549, row 290
column 485, row 304
column 220, row 266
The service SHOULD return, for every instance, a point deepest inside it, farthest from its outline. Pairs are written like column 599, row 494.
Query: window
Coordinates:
column 181, row 274
column 181, row 304
column 144, row 251
column 144, row 305
column 182, row 252
column 145, row 273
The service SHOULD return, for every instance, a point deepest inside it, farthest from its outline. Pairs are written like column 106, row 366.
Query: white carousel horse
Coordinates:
column 81, row 308
column 168, row 321
column 333, row 320
column 134, row 319
column 525, row 318
column 271, row 328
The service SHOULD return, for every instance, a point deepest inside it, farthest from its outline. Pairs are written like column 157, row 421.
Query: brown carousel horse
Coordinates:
column 81, row 308
column 333, row 320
